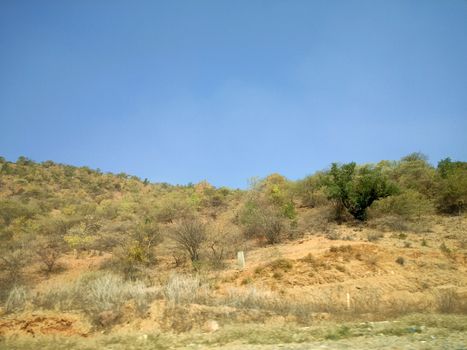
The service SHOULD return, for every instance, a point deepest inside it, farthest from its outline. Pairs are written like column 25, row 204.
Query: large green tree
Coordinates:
column 356, row 188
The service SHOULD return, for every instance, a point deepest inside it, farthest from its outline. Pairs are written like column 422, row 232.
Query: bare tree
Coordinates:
column 189, row 235
column 48, row 254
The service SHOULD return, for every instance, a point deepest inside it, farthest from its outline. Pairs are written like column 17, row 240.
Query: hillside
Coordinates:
column 84, row 252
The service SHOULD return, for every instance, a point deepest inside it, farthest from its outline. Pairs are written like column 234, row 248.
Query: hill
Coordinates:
column 84, row 252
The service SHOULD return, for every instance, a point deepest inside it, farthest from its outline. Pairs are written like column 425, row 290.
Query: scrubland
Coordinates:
column 353, row 256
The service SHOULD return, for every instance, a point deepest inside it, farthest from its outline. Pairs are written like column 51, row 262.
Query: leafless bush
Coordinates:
column 189, row 235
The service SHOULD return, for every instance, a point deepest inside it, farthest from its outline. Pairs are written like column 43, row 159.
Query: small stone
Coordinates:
column 210, row 326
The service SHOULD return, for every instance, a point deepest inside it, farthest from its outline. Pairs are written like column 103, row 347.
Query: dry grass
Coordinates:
column 16, row 300
column 185, row 289
column 98, row 295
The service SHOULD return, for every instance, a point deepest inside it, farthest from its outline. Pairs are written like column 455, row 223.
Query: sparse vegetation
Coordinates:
column 138, row 238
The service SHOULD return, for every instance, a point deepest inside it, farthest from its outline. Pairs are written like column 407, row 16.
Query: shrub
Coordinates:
column 13, row 261
column 449, row 301
column 445, row 249
column 310, row 191
column 184, row 289
column 256, row 299
column 413, row 172
column 189, row 235
column 409, row 204
column 174, row 206
column 281, row 264
column 262, row 221
column 400, row 260
column 105, row 292
column 136, row 250
column 333, row 235
column 48, row 250
column 451, row 188
column 100, row 296
column 249, row 298
column 374, row 236
column 221, row 243
column 273, row 228
column 16, row 300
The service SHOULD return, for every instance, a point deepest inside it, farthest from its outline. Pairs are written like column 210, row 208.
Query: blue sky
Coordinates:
column 181, row 91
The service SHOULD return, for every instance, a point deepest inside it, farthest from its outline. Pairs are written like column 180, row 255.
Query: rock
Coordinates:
column 210, row 326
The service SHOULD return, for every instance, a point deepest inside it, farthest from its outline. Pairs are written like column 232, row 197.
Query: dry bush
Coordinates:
column 255, row 299
column 400, row 223
column 100, row 296
column 374, row 236
column 347, row 252
column 346, row 249
column 135, row 252
column 314, row 262
column 16, row 300
column 176, row 319
column 333, row 235
column 274, row 228
column 189, row 235
column 61, row 297
column 48, row 251
column 249, row 298
column 316, row 220
column 449, row 301
column 364, row 301
column 185, row 289
column 281, row 264
column 104, row 293
column 12, row 263
column 264, row 221
column 407, row 205
column 221, row 243
column 174, row 206
column 277, row 267
column 372, row 260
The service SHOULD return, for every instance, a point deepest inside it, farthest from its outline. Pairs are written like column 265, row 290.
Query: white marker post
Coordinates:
column 241, row 260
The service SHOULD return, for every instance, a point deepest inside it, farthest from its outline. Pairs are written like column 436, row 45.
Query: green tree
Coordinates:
column 451, row 187
column 357, row 188
column 413, row 172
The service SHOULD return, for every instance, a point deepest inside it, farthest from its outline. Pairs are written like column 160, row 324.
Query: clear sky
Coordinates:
column 181, row 91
